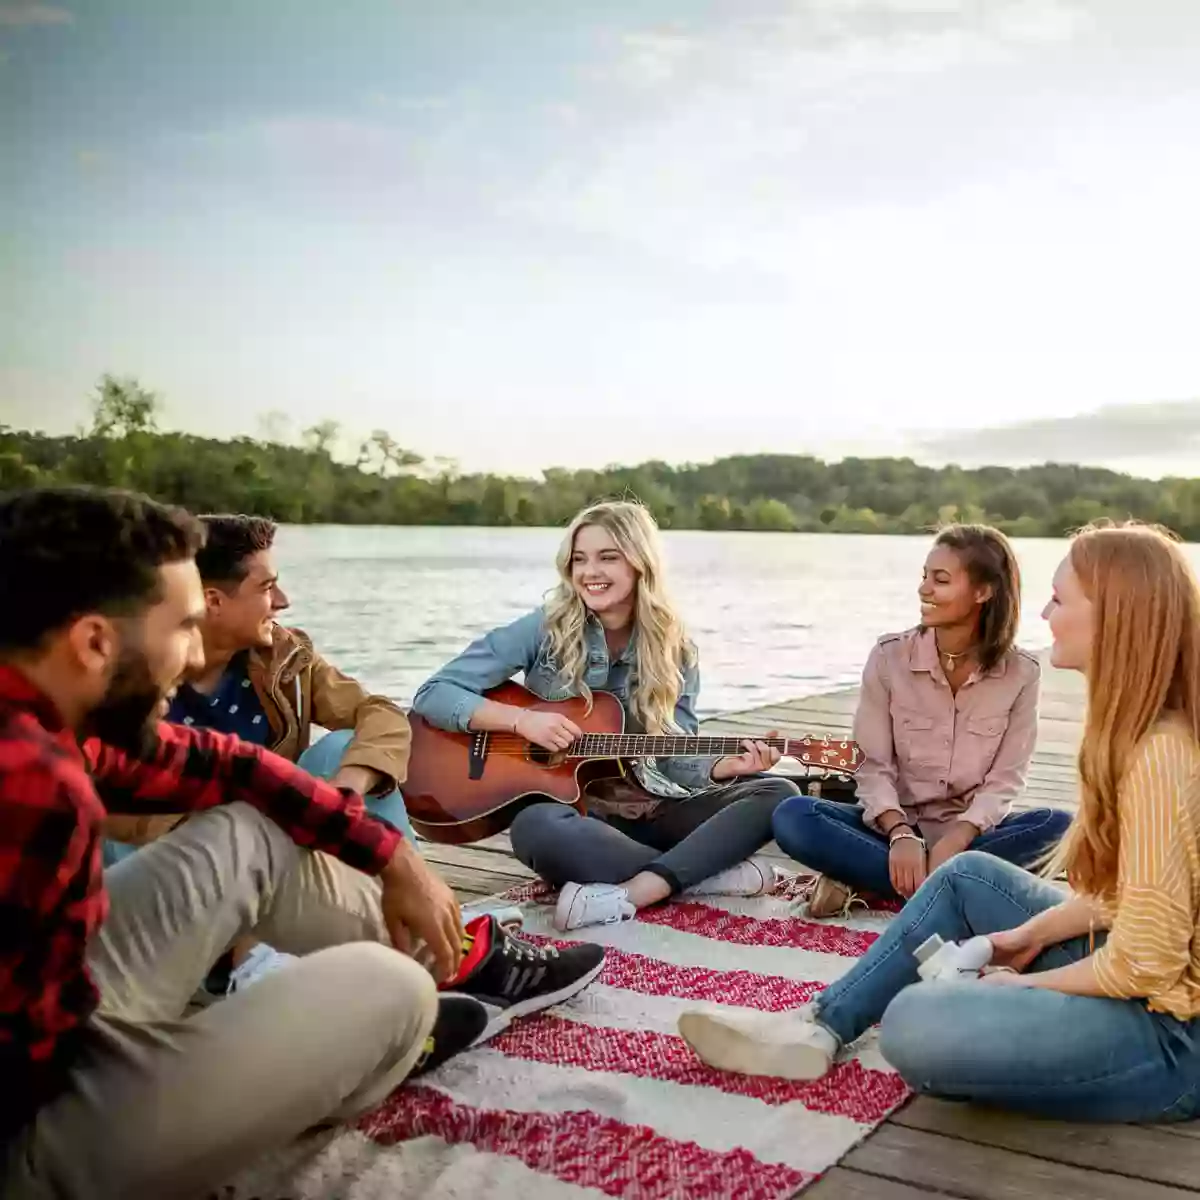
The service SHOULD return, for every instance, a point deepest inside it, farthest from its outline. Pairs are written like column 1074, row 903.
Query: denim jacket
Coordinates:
column 450, row 697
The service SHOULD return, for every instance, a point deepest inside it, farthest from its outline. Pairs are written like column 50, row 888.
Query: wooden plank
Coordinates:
column 499, row 865
column 952, row 1167
column 472, row 858
column 1138, row 1151
column 840, row 1184
column 471, row 884
column 1184, row 1129
column 477, row 870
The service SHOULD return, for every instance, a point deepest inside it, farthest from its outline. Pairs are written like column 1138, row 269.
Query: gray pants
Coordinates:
column 685, row 841
column 164, row 1104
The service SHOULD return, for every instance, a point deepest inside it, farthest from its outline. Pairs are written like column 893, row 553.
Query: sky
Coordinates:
column 520, row 234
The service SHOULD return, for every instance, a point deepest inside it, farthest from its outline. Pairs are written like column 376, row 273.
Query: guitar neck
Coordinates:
column 643, row 745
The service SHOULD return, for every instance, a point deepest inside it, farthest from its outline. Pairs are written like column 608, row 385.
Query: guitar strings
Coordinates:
column 514, row 746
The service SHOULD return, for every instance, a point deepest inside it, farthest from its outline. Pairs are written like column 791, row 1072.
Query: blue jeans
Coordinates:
column 1046, row 1053
column 831, row 838
column 322, row 759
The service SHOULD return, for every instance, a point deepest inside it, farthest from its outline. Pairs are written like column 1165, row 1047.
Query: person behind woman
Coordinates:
column 1095, row 1019
column 946, row 720
column 694, row 823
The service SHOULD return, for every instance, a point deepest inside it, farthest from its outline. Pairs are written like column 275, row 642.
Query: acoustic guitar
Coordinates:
column 463, row 787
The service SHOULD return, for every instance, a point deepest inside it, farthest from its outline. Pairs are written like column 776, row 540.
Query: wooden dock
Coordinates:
column 931, row 1147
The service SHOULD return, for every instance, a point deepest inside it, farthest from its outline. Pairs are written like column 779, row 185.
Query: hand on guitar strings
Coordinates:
column 546, row 729
column 755, row 758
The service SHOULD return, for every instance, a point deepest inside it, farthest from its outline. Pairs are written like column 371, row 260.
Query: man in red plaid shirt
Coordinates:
column 108, row 1087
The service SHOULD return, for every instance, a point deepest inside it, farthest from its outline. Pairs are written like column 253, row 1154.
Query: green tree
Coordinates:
column 387, row 484
column 122, row 407
column 770, row 514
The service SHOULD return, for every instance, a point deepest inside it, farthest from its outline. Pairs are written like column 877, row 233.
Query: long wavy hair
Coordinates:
column 1144, row 664
column 662, row 647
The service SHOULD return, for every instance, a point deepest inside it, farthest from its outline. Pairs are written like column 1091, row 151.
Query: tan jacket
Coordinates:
column 297, row 689
column 938, row 756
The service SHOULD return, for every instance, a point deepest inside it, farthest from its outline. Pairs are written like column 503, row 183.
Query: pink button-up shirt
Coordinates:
column 937, row 756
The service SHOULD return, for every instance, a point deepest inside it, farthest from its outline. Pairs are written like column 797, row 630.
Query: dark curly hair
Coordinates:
column 231, row 539
column 988, row 558
column 67, row 551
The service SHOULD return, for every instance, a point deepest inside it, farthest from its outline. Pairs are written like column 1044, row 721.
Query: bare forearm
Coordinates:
column 491, row 717
column 1072, row 918
column 1078, row 979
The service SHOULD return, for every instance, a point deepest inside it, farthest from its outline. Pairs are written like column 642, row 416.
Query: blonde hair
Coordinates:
column 1144, row 664
column 663, row 649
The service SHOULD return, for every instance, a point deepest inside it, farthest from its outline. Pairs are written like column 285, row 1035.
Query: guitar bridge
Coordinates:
column 477, row 756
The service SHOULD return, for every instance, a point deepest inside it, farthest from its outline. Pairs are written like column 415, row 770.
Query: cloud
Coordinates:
column 412, row 104
column 91, row 161
column 1112, row 434
column 804, row 106
column 21, row 16
column 652, row 58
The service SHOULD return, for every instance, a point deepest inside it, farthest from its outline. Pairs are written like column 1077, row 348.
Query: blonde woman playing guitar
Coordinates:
column 686, row 824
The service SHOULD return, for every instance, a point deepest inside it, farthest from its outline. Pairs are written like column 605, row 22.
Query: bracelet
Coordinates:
column 517, row 721
column 906, row 836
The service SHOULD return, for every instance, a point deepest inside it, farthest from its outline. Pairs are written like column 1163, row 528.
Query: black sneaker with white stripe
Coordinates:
column 514, row 977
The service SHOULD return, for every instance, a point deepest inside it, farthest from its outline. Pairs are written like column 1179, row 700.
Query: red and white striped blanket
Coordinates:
column 601, row 1097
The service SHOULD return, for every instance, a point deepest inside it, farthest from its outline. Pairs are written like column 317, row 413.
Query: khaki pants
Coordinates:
column 162, row 1104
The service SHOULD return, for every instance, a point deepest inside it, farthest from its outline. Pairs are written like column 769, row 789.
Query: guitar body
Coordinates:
column 464, row 787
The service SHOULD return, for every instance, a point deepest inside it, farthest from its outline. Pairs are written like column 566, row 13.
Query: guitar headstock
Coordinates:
column 827, row 753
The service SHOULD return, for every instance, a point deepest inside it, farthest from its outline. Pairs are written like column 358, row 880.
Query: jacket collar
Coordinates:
column 598, row 644
column 289, row 655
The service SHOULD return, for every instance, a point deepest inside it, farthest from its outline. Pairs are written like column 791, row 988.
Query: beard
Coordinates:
column 127, row 717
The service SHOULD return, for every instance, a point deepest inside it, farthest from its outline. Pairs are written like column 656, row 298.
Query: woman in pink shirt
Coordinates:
column 947, row 721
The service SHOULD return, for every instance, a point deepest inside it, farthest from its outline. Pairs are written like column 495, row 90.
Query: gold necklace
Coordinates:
column 952, row 659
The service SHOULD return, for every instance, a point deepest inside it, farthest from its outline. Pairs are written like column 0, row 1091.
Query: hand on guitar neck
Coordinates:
column 755, row 757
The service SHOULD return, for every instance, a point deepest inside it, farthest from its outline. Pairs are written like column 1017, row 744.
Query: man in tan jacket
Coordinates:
column 267, row 684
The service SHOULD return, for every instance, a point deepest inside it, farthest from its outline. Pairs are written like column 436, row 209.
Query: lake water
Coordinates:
column 775, row 615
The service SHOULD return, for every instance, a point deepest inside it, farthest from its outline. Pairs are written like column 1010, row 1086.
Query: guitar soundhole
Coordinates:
column 541, row 757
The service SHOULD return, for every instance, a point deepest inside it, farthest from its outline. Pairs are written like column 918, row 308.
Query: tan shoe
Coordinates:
column 828, row 899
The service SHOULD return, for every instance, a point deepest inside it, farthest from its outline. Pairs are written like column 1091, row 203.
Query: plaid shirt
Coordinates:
column 52, row 897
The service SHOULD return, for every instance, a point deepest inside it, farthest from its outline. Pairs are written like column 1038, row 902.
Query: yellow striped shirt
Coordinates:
column 1152, row 951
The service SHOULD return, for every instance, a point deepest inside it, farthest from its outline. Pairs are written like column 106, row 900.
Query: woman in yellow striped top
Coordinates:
column 1094, row 1017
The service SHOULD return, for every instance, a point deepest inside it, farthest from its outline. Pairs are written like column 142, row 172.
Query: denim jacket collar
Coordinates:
column 599, row 663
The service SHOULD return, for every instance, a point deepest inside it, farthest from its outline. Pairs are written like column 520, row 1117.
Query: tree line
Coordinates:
column 386, row 484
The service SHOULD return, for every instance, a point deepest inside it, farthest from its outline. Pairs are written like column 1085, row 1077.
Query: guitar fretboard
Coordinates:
column 820, row 751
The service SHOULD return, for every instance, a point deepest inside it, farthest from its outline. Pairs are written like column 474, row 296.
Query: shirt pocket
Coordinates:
column 985, row 734
column 916, row 737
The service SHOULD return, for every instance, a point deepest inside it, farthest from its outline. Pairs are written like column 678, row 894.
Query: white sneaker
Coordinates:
column 787, row 1045
column 262, row 960
column 592, row 904
column 753, row 877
